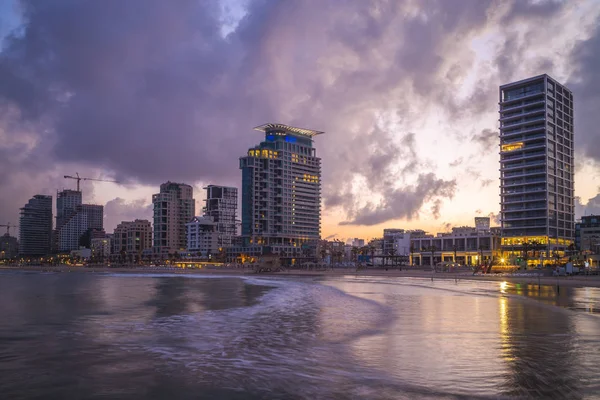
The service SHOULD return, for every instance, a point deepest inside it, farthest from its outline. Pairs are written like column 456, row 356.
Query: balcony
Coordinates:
column 540, row 100
column 526, row 113
column 523, row 164
column 522, row 183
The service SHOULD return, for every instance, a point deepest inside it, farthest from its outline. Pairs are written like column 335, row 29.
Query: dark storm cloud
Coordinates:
column 149, row 90
column 585, row 84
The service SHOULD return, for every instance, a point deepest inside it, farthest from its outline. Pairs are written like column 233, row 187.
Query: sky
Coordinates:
column 145, row 91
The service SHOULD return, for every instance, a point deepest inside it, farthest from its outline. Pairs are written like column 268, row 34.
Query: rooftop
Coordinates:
column 288, row 129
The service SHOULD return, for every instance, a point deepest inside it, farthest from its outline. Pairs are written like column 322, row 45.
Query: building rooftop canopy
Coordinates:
column 287, row 129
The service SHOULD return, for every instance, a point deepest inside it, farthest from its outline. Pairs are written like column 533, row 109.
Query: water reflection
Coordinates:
column 538, row 346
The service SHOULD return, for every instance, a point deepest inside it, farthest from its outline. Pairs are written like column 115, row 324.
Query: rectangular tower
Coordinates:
column 536, row 166
column 221, row 205
column 35, row 227
column 66, row 203
column 173, row 207
column 281, row 190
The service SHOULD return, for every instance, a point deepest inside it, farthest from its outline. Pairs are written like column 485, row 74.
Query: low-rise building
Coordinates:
column 101, row 248
column 203, row 237
column 464, row 245
column 9, row 246
column 132, row 237
column 587, row 234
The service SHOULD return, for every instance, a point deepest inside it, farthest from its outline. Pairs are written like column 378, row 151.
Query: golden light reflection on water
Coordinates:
column 503, row 286
column 506, row 347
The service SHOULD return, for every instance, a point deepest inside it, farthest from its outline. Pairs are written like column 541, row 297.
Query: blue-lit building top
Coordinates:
column 281, row 190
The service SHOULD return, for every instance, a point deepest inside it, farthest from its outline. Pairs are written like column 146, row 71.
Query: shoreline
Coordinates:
column 571, row 281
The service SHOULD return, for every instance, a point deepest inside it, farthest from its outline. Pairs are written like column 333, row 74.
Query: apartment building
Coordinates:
column 281, row 191
column 536, row 165
column 132, row 237
column 35, row 226
column 174, row 206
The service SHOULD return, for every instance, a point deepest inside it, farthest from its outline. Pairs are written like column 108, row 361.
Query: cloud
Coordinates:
column 592, row 207
column 118, row 210
column 405, row 202
column 487, row 139
column 146, row 91
column 585, row 84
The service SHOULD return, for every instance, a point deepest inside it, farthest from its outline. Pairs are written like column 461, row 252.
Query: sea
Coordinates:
column 160, row 336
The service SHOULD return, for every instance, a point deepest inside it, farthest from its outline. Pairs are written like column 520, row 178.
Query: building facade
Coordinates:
column 85, row 218
column 132, row 237
column 281, row 191
column 536, row 165
column 35, row 227
column 174, row 206
column 221, row 205
column 587, row 234
column 396, row 242
column 464, row 245
column 203, row 236
column 101, row 248
column 9, row 246
column 67, row 202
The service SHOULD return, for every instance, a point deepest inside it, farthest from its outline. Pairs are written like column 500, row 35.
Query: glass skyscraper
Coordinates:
column 281, row 191
column 536, row 166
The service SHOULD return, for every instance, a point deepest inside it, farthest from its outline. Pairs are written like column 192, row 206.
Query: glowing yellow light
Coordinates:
column 512, row 146
column 502, row 260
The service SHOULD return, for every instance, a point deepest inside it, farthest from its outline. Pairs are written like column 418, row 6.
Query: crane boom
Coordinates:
column 79, row 179
column 7, row 226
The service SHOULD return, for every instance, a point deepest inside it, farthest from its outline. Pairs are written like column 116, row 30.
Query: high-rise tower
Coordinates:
column 281, row 190
column 536, row 165
column 221, row 205
column 174, row 206
column 35, row 226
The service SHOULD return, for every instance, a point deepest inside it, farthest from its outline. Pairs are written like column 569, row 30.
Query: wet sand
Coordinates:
column 572, row 281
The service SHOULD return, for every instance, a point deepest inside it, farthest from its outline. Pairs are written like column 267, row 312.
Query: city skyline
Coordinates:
column 412, row 139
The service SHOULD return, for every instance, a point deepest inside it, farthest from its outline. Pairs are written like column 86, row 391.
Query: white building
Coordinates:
column 75, row 224
column 396, row 242
column 202, row 236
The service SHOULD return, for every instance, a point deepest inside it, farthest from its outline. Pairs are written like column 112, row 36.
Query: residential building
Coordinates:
column 174, row 206
column 203, row 236
column 66, row 203
column 482, row 223
column 356, row 242
column 9, row 246
column 84, row 219
column 587, row 234
column 464, row 245
column 101, row 248
column 35, row 226
column 536, row 165
column 221, row 205
column 132, row 237
column 281, row 192
column 396, row 242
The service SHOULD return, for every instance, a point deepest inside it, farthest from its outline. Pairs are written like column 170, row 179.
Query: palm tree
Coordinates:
column 412, row 251
column 455, row 249
column 392, row 253
column 432, row 250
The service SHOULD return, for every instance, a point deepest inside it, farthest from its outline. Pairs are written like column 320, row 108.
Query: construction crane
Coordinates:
column 79, row 179
column 7, row 226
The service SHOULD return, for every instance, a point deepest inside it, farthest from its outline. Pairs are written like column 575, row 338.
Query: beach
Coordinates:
column 528, row 277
